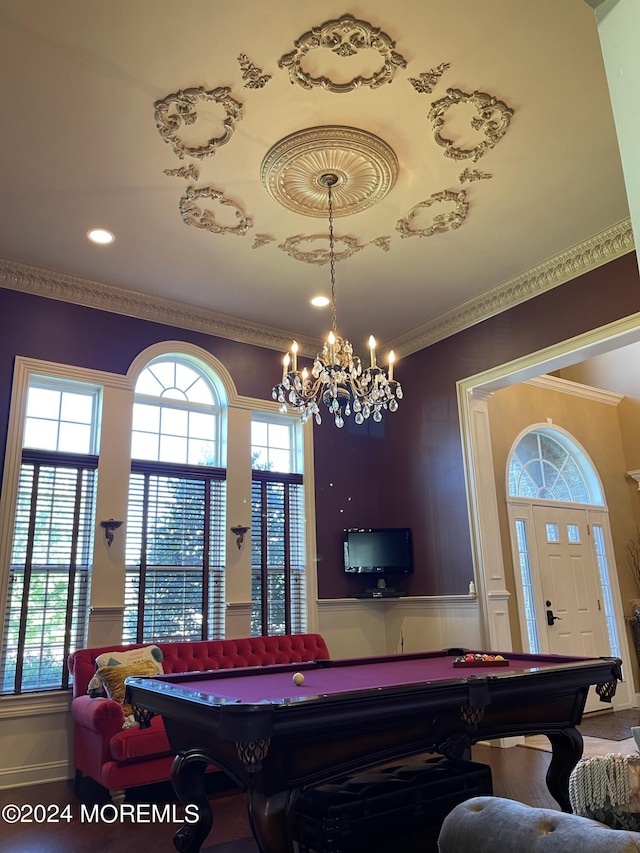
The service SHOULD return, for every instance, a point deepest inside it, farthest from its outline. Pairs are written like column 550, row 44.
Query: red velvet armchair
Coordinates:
column 120, row 758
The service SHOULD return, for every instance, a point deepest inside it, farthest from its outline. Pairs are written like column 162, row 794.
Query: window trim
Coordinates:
column 114, row 384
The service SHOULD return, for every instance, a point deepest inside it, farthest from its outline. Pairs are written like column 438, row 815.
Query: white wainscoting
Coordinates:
column 360, row 627
column 35, row 739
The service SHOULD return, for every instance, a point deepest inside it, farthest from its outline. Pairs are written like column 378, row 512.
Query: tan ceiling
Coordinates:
column 80, row 149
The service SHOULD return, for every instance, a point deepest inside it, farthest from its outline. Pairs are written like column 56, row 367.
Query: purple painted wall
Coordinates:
column 408, row 471
column 416, row 475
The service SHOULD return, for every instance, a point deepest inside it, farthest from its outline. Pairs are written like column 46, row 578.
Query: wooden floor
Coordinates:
column 518, row 773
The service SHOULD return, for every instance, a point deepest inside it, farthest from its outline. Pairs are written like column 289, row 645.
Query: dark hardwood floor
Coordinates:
column 518, row 773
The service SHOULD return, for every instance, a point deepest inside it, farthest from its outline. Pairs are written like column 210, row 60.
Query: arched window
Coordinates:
column 548, row 465
column 176, row 414
column 177, row 497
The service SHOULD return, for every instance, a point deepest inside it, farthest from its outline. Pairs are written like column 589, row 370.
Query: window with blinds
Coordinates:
column 278, row 590
column 175, row 555
column 175, row 552
column 49, row 576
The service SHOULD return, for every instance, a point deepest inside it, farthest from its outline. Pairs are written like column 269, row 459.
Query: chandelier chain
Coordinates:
column 332, row 266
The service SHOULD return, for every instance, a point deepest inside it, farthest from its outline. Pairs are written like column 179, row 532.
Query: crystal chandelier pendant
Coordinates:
column 338, row 379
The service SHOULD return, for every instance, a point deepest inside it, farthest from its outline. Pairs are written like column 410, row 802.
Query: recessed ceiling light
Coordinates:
column 320, row 301
column 100, row 236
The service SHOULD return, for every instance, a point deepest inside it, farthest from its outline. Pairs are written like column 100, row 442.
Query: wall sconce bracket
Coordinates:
column 109, row 526
column 239, row 530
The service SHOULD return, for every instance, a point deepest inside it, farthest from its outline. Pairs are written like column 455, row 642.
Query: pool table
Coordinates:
column 274, row 737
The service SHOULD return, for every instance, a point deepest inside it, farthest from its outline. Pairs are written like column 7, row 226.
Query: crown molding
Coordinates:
column 576, row 389
column 604, row 247
column 601, row 249
column 117, row 300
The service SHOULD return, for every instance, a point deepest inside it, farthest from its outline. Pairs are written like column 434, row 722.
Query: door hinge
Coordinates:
column 588, row 530
column 599, row 605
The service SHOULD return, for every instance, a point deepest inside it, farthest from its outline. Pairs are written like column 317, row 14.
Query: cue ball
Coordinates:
column 298, row 678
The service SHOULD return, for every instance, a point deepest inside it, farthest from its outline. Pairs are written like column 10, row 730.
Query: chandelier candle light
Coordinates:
column 338, row 378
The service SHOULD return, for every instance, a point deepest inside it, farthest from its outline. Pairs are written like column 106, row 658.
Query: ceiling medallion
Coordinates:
column 181, row 109
column 192, row 214
column 365, row 166
column 319, row 256
column 345, row 37
column 442, row 222
column 493, row 120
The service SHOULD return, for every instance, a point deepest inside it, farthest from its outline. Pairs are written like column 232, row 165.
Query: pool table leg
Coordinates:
column 567, row 746
column 187, row 775
column 269, row 819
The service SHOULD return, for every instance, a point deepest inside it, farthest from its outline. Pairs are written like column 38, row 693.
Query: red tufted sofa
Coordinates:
column 123, row 758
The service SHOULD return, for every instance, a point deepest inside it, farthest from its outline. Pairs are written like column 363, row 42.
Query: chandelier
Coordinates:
column 338, row 378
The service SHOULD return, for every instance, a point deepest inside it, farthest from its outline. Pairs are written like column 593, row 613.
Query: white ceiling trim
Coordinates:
column 576, row 389
column 582, row 258
column 601, row 249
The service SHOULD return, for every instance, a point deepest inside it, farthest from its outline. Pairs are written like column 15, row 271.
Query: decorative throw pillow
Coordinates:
column 112, row 678
column 146, row 653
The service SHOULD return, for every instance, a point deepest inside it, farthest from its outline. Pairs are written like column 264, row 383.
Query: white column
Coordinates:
column 108, row 572
column 238, row 562
column 493, row 596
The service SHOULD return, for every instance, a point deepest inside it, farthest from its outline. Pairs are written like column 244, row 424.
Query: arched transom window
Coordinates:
column 176, row 414
column 548, row 465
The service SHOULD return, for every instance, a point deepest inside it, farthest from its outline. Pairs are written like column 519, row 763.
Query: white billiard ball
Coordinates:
column 298, row 678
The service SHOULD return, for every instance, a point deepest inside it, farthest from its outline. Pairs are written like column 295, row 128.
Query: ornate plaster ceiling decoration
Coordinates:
column 193, row 214
column 190, row 172
column 365, row 165
column 319, row 256
column 440, row 223
column 345, row 37
column 428, row 80
column 470, row 175
column 177, row 111
column 261, row 240
column 493, row 120
column 151, row 102
column 252, row 74
column 383, row 243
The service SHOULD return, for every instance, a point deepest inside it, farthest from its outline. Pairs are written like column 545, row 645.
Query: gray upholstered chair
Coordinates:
column 497, row 825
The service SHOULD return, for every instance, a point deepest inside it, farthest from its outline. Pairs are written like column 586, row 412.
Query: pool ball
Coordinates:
column 298, row 678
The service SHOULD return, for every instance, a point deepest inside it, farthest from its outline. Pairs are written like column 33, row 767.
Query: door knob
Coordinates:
column 551, row 618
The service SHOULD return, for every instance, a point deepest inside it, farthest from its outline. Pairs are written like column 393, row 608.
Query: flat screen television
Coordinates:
column 378, row 551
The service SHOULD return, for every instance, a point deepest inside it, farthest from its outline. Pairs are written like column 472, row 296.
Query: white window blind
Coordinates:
column 49, row 576
column 278, row 589
column 175, row 556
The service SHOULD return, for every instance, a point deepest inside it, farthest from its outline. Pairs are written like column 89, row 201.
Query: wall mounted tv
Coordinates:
column 378, row 551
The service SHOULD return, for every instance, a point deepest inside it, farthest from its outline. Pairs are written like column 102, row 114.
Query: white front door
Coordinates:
column 572, row 617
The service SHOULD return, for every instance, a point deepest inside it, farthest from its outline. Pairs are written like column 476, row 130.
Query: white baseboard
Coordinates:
column 35, row 774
